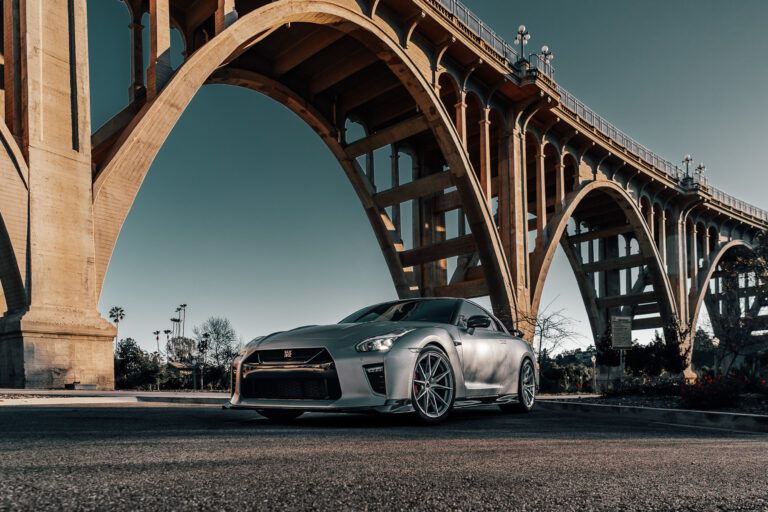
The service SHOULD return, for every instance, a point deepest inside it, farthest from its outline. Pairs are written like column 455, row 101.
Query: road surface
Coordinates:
column 150, row 457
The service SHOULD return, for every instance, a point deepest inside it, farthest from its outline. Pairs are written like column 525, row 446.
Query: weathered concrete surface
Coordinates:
column 205, row 458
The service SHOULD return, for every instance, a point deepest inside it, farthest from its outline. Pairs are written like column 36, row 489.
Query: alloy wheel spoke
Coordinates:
column 442, row 375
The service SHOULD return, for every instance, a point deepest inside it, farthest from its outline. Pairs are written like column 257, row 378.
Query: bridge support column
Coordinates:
column 461, row 117
column 137, row 88
column 513, row 221
column 225, row 15
column 159, row 70
column 541, row 199
column 59, row 338
column 559, row 185
column 12, row 65
column 485, row 156
column 694, row 264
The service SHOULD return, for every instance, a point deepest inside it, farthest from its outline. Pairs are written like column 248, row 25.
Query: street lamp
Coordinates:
column 687, row 162
column 546, row 54
column 522, row 39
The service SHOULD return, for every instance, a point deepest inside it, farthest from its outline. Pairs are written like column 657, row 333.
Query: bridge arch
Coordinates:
column 702, row 288
column 117, row 182
column 635, row 231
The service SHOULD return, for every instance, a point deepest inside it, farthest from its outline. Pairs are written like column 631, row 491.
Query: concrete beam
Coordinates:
column 387, row 136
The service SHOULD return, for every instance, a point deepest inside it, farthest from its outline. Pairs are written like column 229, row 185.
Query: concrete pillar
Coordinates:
column 461, row 118
column 628, row 275
column 159, row 71
column 225, row 15
column 559, row 185
column 541, row 199
column 485, row 156
column 60, row 338
column 676, row 265
column 663, row 236
column 12, row 74
column 694, row 260
column 651, row 222
column 396, row 182
column 137, row 88
column 705, row 249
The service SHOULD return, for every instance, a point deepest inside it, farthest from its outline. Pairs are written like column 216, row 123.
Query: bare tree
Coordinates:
column 220, row 342
column 551, row 330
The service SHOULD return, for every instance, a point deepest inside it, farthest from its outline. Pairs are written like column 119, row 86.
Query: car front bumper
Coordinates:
column 312, row 381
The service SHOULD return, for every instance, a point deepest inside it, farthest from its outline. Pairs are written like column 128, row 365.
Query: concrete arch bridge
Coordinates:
column 501, row 165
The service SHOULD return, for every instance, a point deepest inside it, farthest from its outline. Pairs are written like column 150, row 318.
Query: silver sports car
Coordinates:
column 416, row 355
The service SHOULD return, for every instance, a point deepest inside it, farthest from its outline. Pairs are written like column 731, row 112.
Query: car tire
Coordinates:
column 433, row 388
column 526, row 389
column 279, row 416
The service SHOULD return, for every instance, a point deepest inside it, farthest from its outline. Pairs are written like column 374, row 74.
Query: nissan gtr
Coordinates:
column 426, row 356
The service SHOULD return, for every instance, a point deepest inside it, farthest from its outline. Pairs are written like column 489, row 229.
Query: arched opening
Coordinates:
column 610, row 249
column 449, row 95
column 306, row 87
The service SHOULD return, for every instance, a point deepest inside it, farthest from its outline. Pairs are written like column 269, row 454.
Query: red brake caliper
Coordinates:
column 415, row 386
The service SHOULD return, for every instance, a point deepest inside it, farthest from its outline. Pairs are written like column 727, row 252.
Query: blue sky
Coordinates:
column 246, row 214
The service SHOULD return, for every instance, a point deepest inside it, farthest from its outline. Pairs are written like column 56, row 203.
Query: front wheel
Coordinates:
column 526, row 389
column 278, row 415
column 434, row 386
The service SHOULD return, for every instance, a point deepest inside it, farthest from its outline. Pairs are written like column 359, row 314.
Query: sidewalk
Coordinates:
column 15, row 397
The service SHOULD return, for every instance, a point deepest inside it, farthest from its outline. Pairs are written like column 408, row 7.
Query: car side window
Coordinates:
column 469, row 310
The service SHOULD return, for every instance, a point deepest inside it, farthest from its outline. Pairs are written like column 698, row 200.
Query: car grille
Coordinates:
column 255, row 386
column 307, row 374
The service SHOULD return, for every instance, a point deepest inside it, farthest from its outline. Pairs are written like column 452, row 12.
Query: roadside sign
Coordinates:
column 621, row 329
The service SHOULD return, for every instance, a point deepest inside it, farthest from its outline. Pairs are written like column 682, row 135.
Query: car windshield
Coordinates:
column 438, row 311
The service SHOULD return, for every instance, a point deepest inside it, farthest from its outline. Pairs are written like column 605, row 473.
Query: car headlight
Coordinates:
column 381, row 343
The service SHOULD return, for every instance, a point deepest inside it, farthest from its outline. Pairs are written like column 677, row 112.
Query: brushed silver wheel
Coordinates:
column 527, row 391
column 434, row 386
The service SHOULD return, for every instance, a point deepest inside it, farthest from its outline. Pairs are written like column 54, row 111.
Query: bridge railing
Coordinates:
column 475, row 24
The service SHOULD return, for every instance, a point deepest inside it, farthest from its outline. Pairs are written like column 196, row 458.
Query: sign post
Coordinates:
column 621, row 336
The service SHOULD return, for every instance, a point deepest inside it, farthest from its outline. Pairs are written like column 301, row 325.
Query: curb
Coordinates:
column 184, row 400
column 724, row 420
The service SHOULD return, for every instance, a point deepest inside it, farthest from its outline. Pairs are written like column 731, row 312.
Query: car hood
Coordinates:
column 337, row 333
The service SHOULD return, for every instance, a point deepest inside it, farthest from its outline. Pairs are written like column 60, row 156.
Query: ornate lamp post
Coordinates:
column 687, row 162
column 522, row 39
column 546, row 54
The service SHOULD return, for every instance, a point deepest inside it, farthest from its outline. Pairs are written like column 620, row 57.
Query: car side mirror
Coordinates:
column 517, row 333
column 480, row 321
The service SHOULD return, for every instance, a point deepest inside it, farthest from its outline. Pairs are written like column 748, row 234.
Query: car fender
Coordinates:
column 414, row 342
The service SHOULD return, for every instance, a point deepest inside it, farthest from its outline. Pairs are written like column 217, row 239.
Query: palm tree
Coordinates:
column 157, row 339
column 116, row 314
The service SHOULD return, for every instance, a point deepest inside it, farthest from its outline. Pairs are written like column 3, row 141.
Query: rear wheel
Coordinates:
column 278, row 415
column 526, row 389
column 434, row 386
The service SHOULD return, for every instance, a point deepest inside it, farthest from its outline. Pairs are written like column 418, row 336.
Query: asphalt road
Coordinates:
column 192, row 458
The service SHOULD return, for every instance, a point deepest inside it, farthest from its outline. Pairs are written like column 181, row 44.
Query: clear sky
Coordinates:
column 246, row 214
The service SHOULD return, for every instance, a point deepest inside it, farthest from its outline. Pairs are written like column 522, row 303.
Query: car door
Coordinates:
column 483, row 352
